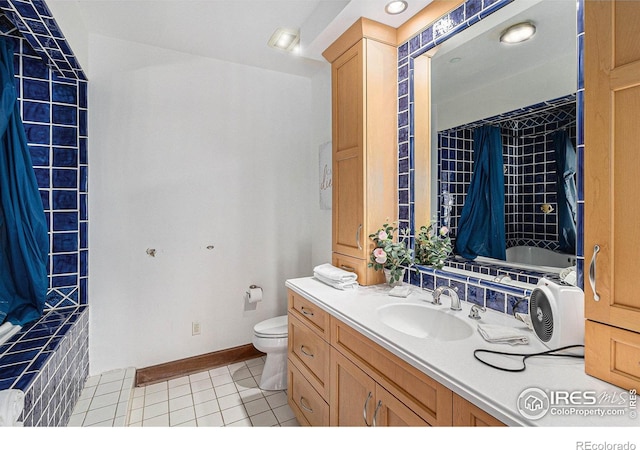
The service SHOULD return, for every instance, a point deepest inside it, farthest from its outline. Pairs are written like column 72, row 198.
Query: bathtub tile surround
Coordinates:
column 48, row 359
column 477, row 290
column 530, row 169
column 223, row 396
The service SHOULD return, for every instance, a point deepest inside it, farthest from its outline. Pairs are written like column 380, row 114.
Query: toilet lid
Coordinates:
column 275, row 327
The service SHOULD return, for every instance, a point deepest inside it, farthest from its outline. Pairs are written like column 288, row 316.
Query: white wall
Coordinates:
column 187, row 152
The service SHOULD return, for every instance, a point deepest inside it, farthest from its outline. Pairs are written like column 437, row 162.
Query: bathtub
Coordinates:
column 533, row 258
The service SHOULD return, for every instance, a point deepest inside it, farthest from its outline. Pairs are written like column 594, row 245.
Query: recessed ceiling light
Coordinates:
column 517, row 33
column 395, row 7
column 455, row 60
column 285, row 39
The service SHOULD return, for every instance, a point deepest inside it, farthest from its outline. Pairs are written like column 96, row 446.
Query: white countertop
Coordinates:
column 453, row 364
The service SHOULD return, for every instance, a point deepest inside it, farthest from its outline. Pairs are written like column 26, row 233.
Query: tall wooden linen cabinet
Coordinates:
column 365, row 155
column 611, row 186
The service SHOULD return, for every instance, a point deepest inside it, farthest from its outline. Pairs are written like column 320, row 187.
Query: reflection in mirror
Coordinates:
column 528, row 91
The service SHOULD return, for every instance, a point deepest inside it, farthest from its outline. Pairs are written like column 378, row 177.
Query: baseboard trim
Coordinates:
column 194, row 364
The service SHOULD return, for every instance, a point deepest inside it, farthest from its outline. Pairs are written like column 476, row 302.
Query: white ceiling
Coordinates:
column 234, row 30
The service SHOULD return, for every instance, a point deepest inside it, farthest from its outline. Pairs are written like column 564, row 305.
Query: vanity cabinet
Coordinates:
column 339, row 377
column 308, row 361
column 369, row 384
column 611, row 186
column 364, row 145
column 466, row 414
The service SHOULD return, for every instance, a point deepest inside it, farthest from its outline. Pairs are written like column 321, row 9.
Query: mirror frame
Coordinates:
column 414, row 142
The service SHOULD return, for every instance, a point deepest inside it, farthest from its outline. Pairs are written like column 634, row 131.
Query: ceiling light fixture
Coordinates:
column 285, row 39
column 395, row 7
column 517, row 33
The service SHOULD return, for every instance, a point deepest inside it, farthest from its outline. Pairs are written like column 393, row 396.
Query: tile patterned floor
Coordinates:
column 220, row 397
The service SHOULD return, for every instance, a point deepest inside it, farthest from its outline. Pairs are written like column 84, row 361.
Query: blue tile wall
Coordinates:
column 477, row 290
column 48, row 359
column 530, row 170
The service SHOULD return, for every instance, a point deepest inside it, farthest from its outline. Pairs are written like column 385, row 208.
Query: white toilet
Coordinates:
column 270, row 337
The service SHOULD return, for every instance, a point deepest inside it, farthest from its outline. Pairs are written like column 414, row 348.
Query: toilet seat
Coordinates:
column 275, row 327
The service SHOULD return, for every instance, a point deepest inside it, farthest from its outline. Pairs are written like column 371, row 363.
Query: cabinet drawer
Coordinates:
column 310, row 353
column 310, row 314
column 304, row 400
column 612, row 354
column 366, row 276
column 426, row 397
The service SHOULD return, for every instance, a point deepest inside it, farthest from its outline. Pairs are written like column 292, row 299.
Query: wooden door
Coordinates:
column 352, row 393
column 466, row 414
column 612, row 162
column 391, row 412
column 348, row 153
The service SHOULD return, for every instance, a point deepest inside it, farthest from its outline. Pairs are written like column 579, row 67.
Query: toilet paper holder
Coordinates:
column 254, row 294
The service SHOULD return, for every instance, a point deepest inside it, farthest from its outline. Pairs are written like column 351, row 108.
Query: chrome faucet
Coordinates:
column 453, row 295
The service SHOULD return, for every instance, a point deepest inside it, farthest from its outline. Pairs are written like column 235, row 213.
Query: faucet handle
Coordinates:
column 474, row 312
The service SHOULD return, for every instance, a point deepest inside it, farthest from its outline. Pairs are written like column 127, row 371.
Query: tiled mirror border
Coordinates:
column 467, row 14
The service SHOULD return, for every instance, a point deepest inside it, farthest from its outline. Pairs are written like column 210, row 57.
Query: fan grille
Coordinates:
column 541, row 315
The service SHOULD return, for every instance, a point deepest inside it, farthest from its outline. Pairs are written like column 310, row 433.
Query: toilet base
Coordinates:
column 274, row 374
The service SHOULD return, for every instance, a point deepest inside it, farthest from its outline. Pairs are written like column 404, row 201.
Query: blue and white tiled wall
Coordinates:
column 530, row 169
column 48, row 359
column 475, row 289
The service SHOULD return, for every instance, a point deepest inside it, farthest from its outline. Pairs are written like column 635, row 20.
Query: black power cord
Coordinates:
column 525, row 356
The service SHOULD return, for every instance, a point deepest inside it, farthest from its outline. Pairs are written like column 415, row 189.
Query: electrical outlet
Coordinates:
column 195, row 328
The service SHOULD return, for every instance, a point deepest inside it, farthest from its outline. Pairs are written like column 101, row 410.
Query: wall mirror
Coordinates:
column 527, row 89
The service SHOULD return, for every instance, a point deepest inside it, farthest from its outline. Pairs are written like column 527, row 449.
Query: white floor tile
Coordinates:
column 156, row 397
column 206, row 408
column 257, row 407
column 156, row 387
column 100, row 401
column 283, row 413
column 203, row 396
column 157, row 421
column 181, row 416
column 99, row 415
column 211, row 420
column 277, row 399
column 199, row 376
column 234, row 414
column 180, row 402
column 154, row 410
column 179, row 391
column 229, row 401
column 222, row 396
column 219, row 380
column 225, row 389
column 264, row 419
column 135, row 416
column 178, row 382
column 201, row 385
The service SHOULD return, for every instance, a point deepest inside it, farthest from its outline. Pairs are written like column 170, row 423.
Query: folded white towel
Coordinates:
column 336, row 284
column 502, row 335
column 11, row 406
column 334, row 273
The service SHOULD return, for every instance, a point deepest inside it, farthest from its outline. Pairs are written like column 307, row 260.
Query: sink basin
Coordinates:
column 423, row 321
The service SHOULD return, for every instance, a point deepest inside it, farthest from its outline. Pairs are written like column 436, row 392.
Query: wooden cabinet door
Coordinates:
column 391, row 412
column 611, row 164
column 466, row 414
column 352, row 397
column 348, row 153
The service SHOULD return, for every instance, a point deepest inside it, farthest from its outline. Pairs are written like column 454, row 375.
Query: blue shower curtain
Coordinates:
column 566, row 170
column 481, row 227
column 24, row 240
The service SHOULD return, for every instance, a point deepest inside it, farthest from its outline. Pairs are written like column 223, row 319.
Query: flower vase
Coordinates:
column 387, row 277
